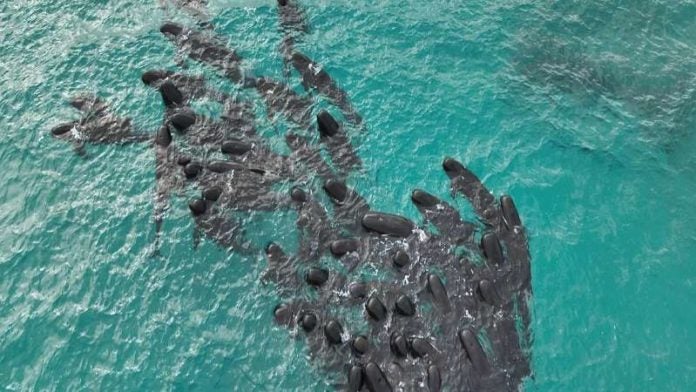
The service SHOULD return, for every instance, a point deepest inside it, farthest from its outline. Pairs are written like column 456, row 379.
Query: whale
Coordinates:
column 213, row 223
column 168, row 177
column 237, row 185
column 281, row 99
column 195, row 8
column 308, row 156
column 203, row 48
column 293, row 25
column 98, row 125
column 314, row 77
column 460, row 321
column 190, row 87
column 333, row 136
column 292, row 18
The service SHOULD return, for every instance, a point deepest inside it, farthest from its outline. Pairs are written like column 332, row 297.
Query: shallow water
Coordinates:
column 584, row 111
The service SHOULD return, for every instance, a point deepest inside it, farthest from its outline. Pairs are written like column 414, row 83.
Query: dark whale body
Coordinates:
column 205, row 49
column 281, row 99
column 446, row 304
column 97, row 126
column 196, row 8
column 340, row 148
column 315, row 77
column 454, row 324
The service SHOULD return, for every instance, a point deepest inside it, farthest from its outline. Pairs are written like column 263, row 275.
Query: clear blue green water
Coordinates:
column 584, row 111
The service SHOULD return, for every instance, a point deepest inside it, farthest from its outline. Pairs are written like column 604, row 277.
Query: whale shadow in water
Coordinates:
column 663, row 102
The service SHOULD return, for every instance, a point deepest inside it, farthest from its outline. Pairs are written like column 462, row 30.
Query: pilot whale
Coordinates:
column 438, row 319
column 206, row 49
column 98, row 125
column 316, row 78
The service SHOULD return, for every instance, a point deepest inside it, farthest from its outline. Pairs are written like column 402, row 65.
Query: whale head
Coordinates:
column 171, row 29
column 62, row 129
column 155, row 75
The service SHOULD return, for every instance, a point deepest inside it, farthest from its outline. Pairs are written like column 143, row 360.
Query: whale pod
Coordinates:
column 388, row 224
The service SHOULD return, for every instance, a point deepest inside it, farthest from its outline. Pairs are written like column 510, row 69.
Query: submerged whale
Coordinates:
column 293, row 24
column 441, row 304
column 336, row 141
column 98, row 125
column 447, row 313
column 196, row 8
column 292, row 18
column 281, row 99
column 206, row 49
column 168, row 178
column 315, row 77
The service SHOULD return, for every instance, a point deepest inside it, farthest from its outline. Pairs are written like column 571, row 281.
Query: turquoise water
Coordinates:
column 584, row 111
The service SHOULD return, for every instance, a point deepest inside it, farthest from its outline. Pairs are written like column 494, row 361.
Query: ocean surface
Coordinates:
column 583, row 111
